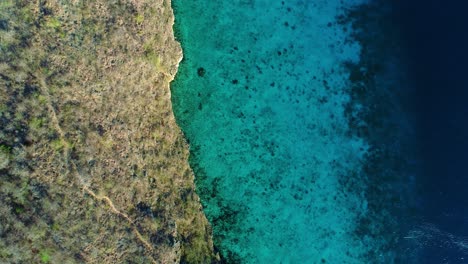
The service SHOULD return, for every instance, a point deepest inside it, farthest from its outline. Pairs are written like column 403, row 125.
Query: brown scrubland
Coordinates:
column 93, row 167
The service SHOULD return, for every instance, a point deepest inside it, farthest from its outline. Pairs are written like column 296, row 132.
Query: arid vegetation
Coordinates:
column 93, row 166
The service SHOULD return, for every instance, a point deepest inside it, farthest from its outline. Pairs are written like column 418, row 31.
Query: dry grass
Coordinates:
column 94, row 168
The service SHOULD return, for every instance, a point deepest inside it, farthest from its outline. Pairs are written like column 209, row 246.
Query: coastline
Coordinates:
column 215, row 257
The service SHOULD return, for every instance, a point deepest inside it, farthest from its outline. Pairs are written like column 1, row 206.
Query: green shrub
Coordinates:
column 45, row 256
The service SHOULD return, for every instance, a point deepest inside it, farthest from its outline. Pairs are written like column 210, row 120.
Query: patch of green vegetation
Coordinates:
column 42, row 99
column 5, row 156
column 55, row 227
column 5, row 149
column 60, row 144
column 155, row 60
column 3, row 108
column 20, row 196
column 19, row 116
column 19, row 209
column 46, row 71
column 27, row 15
column 6, row 4
column 4, row 161
column 4, row 253
column 57, row 144
column 36, row 123
column 53, row 23
column 45, row 256
column 109, row 185
column 139, row 18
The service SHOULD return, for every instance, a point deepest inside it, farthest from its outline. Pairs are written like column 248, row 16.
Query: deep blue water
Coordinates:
column 327, row 131
column 436, row 34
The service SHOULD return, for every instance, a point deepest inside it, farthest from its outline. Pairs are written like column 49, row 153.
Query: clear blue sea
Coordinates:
column 302, row 128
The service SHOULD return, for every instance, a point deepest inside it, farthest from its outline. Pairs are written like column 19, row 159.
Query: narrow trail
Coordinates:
column 72, row 168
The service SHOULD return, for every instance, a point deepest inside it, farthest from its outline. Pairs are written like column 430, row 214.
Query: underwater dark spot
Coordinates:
column 201, row 72
column 325, row 83
column 235, row 81
column 329, row 24
column 279, row 53
column 286, row 24
column 200, row 106
column 272, row 84
column 259, row 69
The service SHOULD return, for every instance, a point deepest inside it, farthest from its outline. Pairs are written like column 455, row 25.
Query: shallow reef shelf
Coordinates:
column 263, row 96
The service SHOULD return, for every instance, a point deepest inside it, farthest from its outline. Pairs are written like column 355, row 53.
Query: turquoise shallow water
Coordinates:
column 261, row 96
